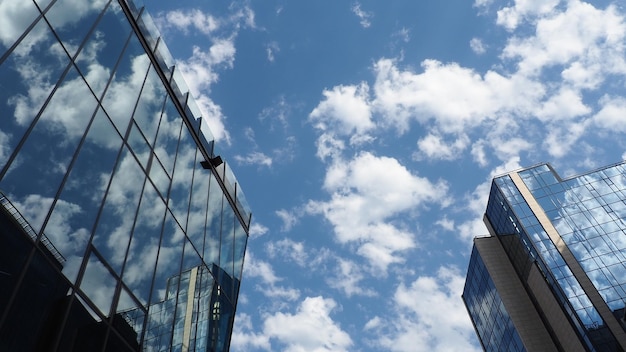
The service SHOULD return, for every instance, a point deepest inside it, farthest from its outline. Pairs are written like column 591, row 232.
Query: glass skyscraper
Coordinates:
column 552, row 274
column 121, row 227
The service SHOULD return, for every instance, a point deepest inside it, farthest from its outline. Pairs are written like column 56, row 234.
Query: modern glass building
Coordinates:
column 552, row 274
column 121, row 228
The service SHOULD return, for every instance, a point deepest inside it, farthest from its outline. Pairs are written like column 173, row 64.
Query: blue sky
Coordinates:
column 365, row 135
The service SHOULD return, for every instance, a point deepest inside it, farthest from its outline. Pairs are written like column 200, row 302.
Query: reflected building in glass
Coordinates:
column 552, row 274
column 121, row 228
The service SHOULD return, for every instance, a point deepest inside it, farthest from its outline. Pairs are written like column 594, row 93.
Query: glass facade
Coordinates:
column 491, row 320
column 587, row 213
column 113, row 199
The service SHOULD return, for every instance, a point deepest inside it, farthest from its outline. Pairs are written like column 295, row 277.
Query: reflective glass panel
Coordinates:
column 119, row 211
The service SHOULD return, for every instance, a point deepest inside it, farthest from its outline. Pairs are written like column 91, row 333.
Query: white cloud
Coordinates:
column 456, row 98
column 373, row 324
column 573, row 49
column 195, row 20
column 404, row 34
column 244, row 337
column 310, row 329
column 344, row 109
column 565, row 104
column 329, row 146
column 257, row 229
column 612, row 115
column 288, row 249
column 183, row 20
column 433, row 147
column 561, row 139
column 15, row 17
column 429, row 316
column 364, row 16
column 278, row 112
column 347, row 278
column 477, row 45
column 260, row 269
column 4, row 147
column 201, row 70
column 254, row 158
column 367, row 193
column 446, row 223
column 288, row 218
column 478, row 152
column 269, row 280
column 271, row 49
column 581, row 33
column 511, row 17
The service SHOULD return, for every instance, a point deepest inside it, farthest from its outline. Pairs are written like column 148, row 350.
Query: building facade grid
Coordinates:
column 573, row 231
column 106, row 158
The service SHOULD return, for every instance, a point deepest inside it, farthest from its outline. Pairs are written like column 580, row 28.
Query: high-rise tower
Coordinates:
column 121, row 229
column 552, row 275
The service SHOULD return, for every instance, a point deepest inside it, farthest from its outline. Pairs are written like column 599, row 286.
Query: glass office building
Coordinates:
column 121, row 228
column 556, row 260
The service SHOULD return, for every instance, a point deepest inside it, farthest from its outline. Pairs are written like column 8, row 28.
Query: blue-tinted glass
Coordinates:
column 98, row 284
column 214, row 222
column 91, row 116
column 183, row 174
column 147, row 113
column 118, row 214
column 103, row 48
column 43, row 161
column 72, row 20
column 15, row 22
column 196, row 225
column 144, row 245
column 121, row 96
column 167, row 137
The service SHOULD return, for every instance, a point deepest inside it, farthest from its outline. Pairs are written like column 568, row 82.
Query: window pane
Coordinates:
column 43, row 160
column 144, row 245
column 15, row 17
column 120, row 208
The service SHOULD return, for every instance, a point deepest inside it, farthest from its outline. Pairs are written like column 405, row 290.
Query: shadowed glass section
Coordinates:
column 492, row 322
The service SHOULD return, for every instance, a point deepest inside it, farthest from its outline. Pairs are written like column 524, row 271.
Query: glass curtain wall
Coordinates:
column 111, row 194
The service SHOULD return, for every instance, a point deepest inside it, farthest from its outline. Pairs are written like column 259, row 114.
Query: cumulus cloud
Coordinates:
column 511, row 17
column 344, row 109
column 433, row 147
column 183, row 20
column 310, row 328
column 581, row 33
column 429, row 316
column 612, row 114
column 541, row 83
column 367, row 193
column 244, row 337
